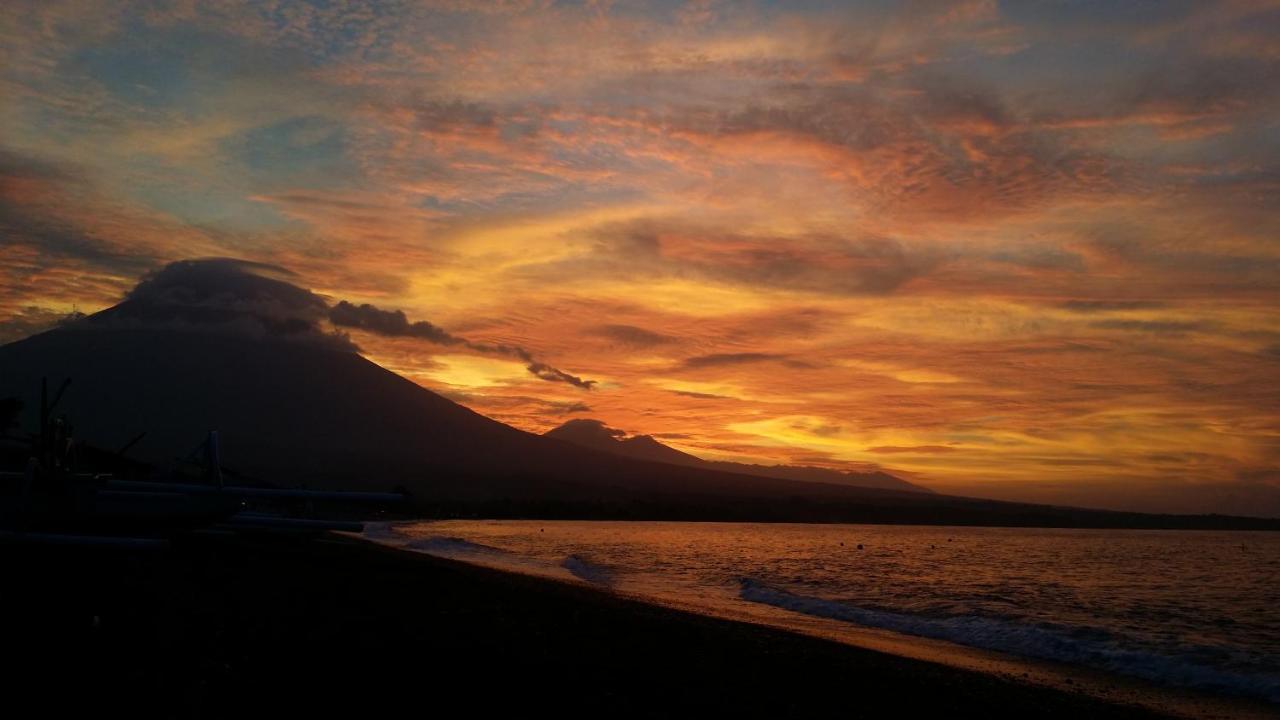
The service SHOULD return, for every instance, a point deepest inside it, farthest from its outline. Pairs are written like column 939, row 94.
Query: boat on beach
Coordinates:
column 69, row 492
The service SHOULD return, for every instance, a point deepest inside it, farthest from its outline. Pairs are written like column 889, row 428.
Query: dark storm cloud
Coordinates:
column 1163, row 327
column 632, row 335
column 27, row 218
column 722, row 359
column 60, row 242
column 904, row 142
column 437, row 114
column 226, row 295
column 1102, row 306
column 892, row 449
column 836, row 155
column 871, row 266
column 1208, row 85
column 391, row 323
column 229, row 282
column 867, row 265
column 18, row 165
column 951, row 100
column 1183, row 96
column 567, row 408
column 853, row 119
column 394, row 323
column 698, row 395
column 546, row 372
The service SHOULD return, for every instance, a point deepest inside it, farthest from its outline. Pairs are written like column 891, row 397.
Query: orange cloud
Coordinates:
column 924, row 237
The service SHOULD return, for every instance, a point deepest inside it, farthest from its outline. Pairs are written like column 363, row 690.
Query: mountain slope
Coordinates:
column 300, row 412
column 217, row 345
column 596, row 435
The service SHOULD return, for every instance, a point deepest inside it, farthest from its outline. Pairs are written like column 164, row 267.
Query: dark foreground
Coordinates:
column 339, row 628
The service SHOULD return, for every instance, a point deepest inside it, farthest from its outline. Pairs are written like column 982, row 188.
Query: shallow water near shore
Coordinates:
column 1184, row 609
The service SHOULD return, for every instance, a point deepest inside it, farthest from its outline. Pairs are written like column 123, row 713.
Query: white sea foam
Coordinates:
column 592, row 573
column 1077, row 645
column 380, row 531
column 442, row 545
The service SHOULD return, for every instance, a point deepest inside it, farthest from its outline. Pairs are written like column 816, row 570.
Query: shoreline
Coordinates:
column 222, row 627
column 1104, row 686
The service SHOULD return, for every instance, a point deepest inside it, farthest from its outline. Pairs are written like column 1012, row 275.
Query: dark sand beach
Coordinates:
column 338, row 627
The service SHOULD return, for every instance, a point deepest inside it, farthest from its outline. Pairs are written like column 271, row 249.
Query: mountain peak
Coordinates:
column 585, row 431
column 222, row 295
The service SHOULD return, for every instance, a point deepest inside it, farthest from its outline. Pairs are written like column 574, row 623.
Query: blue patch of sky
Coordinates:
column 182, row 69
column 165, row 74
column 1078, row 77
column 1110, row 15
column 342, row 34
column 307, row 151
column 149, row 75
column 299, row 153
column 191, row 195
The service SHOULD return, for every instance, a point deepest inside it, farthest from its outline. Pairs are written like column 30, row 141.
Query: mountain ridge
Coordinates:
column 595, row 434
column 212, row 345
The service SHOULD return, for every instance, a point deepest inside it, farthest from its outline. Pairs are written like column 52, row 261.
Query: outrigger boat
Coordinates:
column 53, row 499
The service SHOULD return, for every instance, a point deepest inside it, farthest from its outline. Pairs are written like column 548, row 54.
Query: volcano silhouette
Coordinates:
column 237, row 347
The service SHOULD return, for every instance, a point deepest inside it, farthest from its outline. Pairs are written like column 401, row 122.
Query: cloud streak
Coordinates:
column 394, row 323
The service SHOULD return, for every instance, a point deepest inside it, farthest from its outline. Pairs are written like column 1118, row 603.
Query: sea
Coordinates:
column 1198, row 610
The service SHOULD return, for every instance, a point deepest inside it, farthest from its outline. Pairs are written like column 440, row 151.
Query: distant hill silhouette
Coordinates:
column 237, row 347
column 595, row 434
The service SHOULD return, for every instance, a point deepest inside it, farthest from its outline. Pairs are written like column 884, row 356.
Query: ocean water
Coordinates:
column 1193, row 609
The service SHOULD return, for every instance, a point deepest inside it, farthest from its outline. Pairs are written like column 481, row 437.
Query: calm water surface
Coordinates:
column 1183, row 608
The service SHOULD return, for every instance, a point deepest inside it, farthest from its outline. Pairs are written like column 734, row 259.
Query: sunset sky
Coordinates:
column 1024, row 251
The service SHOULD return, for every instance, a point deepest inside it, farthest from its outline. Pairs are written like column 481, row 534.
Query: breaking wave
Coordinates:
column 442, row 545
column 380, row 531
column 584, row 570
column 1088, row 646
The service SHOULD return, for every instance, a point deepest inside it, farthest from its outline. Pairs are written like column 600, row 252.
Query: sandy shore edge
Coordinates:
column 340, row 627
column 1105, row 687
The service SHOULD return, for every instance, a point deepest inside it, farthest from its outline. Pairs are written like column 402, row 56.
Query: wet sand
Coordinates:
column 338, row 627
